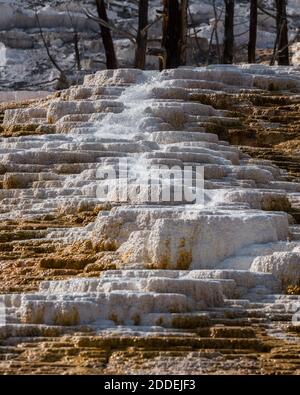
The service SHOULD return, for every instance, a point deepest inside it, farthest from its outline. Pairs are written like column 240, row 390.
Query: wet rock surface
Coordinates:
column 98, row 285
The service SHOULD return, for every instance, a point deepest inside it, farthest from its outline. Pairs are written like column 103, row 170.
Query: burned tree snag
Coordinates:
column 111, row 60
column 141, row 39
column 282, row 33
column 228, row 50
column 252, row 31
column 183, row 31
column 174, row 40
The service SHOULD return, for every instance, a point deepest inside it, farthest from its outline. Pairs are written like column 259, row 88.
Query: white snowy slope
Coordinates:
column 175, row 259
column 24, row 63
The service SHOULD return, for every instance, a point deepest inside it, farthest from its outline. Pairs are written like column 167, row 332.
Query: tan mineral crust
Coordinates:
column 101, row 286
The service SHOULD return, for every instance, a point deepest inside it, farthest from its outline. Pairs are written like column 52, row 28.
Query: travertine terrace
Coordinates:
column 93, row 286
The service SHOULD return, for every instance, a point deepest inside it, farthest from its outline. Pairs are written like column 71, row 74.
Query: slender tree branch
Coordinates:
column 265, row 11
column 75, row 39
column 53, row 61
column 109, row 26
column 146, row 28
column 194, row 29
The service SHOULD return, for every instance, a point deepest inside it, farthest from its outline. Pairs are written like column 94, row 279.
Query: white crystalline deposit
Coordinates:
column 139, row 297
column 19, row 116
column 117, row 297
column 256, row 199
column 283, row 265
column 203, row 241
column 128, row 117
column 146, row 298
column 114, row 77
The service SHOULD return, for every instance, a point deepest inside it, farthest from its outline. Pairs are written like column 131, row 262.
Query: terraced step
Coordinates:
column 150, row 281
column 284, row 161
column 116, row 354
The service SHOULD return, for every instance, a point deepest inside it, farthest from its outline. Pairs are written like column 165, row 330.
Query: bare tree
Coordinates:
column 214, row 33
column 62, row 82
column 141, row 39
column 252, row 31
column 217, row 18
column 228, row 50
column 76, row 38
column 282, row 33
column 174, row 40
column 193, row 26
column 111, row 60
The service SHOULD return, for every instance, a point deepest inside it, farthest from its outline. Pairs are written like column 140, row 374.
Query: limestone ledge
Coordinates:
column 239, row 248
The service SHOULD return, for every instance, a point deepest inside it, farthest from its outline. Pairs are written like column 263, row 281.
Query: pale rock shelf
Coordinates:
column 239, row 248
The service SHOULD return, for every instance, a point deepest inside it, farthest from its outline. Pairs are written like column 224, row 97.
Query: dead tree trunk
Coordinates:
column 141, row 39
column 171, row 33
column 252, row 31
column 77, row 52
column 228, row 32
column 111, row 60
column 174, row 40
column 282, row 33
column 183, row 31
column 76, row 38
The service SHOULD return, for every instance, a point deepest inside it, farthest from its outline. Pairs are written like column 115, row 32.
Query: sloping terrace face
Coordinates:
column 106, row 271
